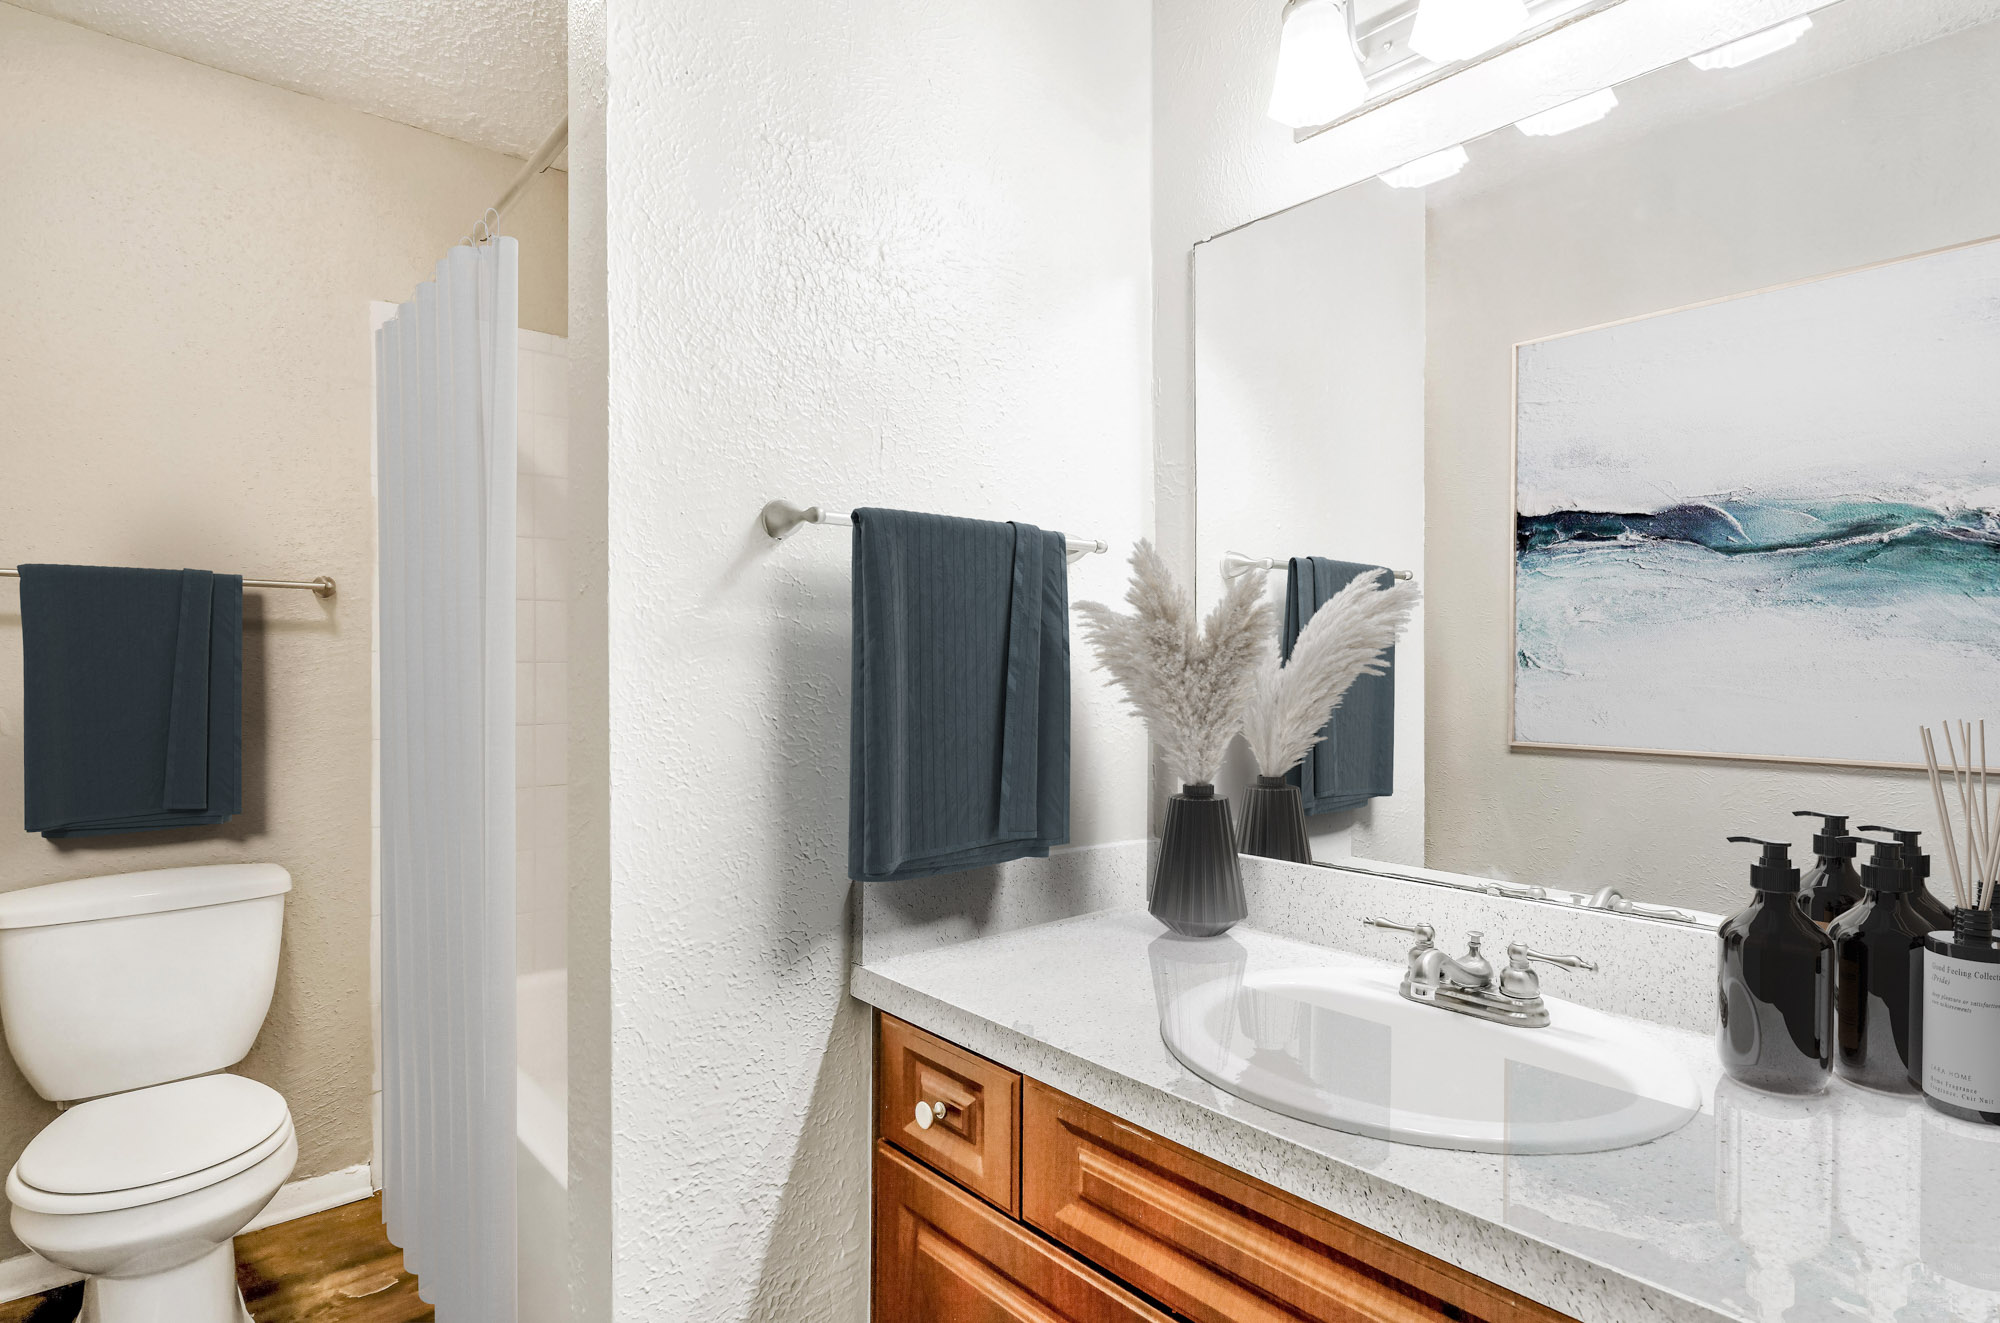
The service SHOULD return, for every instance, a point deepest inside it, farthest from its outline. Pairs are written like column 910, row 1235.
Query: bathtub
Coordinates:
column 542, row 1154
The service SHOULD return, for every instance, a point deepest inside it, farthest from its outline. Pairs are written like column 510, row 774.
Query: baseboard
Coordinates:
column 31, row 1274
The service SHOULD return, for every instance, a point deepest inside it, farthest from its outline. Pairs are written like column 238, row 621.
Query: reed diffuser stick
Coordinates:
column 1944, row 818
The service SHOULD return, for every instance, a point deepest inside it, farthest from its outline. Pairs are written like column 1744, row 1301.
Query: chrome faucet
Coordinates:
column 1468, row 984
column 1610, row 898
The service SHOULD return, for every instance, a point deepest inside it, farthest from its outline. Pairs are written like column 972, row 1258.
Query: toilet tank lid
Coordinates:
column 155, row 891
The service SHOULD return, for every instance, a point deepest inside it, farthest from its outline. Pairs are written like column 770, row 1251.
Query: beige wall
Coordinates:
column 1875, row 163
column 184, row 380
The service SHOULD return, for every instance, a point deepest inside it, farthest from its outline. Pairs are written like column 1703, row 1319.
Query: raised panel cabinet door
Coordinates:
column 972, row 1123
column 1219, row 1247
column 942, row 1256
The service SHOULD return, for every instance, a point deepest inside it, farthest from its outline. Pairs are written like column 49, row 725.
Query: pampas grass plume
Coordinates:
column 1190, row 685
column 1344, row 640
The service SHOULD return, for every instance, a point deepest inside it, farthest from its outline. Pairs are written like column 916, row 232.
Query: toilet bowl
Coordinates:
column 134, row 993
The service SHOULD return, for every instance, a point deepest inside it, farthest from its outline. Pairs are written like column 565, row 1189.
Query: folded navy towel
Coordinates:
column 959, row 751
column 133, row 696
column 1356, row 762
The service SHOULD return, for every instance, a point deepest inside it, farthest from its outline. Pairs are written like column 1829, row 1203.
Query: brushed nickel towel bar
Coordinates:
column 1235, row 565
column 782, row 519
column 320, row 587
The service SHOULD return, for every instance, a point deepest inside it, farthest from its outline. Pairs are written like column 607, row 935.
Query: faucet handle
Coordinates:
column 1423, row 932
column 1519, row 954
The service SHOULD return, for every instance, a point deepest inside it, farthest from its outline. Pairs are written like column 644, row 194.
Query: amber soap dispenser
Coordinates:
column 1775, row 983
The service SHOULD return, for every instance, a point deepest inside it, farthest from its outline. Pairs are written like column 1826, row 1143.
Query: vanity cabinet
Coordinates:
column 1101, row 1220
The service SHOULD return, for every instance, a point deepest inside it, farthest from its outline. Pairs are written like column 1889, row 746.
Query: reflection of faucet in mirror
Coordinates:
column 1610, row 898
column 1468, row 984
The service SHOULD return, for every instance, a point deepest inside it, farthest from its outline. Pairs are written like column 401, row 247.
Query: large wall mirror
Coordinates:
column 1687, row 422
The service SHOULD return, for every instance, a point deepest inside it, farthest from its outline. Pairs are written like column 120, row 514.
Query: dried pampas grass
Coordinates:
column 1190, row 686
column 1344, row 640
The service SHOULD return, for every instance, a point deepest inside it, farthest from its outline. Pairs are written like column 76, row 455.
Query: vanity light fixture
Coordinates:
column 1447, row 31
column 1753, row 47
column 1319, row 70
column 1426, row 170
column 1570, row 115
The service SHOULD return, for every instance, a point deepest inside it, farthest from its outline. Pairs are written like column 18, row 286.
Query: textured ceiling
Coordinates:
column 489, row 72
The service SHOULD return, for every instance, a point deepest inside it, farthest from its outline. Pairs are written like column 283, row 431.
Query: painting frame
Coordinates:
column 1515, row 743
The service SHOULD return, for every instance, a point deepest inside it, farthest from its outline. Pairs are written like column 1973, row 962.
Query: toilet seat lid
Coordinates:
column 129, row 1140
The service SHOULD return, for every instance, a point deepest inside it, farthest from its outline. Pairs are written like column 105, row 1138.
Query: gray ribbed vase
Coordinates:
column 1198, row 883
column 1274, row 821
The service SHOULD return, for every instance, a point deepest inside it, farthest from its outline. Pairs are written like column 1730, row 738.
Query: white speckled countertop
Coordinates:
column 1854, row 1205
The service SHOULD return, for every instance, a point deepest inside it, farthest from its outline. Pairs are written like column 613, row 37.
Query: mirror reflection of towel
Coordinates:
column 1356, row 762
column 132, row 688
column 959, row 743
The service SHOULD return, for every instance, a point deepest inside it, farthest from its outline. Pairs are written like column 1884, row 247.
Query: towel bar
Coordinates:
column 320, row 587
column 1235, row 565
column 782, row 519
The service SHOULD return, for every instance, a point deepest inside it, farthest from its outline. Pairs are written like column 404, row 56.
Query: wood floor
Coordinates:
column 331, row 1267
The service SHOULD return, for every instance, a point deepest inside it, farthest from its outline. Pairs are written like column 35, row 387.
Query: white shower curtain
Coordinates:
column 445, row 428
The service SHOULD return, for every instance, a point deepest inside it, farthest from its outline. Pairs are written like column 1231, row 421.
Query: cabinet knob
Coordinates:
column 928, row 1112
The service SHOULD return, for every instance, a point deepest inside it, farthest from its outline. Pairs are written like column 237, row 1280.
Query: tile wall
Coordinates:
column 542, row 654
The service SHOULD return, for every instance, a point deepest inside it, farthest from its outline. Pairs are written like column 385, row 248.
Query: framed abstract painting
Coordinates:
column 1764, row 527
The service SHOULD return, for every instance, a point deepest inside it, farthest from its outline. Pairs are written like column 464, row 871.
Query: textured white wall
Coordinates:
column 889, row 253
column 1820, row 177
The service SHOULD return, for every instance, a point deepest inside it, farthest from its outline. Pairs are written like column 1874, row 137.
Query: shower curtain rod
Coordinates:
column 1235, row 565
column 782, row 519
column 320, row 587
column 543, row 158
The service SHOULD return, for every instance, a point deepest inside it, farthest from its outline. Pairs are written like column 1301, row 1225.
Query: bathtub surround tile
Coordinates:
column 552, row 692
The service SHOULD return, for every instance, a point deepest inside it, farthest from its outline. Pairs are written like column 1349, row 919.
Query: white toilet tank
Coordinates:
column 114, row 983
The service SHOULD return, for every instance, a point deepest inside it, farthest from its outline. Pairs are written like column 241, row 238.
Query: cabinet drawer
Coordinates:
column 941, row 1256
column 1220, row 1247
column 976, row 1141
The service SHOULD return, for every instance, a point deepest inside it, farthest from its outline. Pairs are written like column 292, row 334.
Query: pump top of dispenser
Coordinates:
column 1831, row 841
column 1888, row 867
column 1774, row 871
column 1919, row 862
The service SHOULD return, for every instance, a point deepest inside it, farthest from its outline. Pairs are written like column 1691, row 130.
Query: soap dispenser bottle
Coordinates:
column 1875, row 946
column 1775, row 983
column 1936, row 913
column 1832, row 887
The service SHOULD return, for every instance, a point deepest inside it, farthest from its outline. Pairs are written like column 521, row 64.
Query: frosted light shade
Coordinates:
column 1570, row 115
column 1319, row 75
column 1451, row 30
column 1753, row 47
column 1426, row 170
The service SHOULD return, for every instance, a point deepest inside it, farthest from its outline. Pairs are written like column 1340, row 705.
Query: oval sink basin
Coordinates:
column 1341, row 1048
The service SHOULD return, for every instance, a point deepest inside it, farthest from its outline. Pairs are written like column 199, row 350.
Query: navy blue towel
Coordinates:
column 959, row 744
column 1356, row 762
column 133, row 695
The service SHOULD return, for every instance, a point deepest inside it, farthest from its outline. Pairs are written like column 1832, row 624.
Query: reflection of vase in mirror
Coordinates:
column 1274, row 821
column 1198, row 884
column 1774, row 1185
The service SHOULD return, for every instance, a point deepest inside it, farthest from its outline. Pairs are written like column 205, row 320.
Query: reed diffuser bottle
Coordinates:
column 1958, row 1066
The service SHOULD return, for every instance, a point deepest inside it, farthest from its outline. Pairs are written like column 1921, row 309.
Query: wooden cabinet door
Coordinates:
column 1219, row 1247
column 942, row 1256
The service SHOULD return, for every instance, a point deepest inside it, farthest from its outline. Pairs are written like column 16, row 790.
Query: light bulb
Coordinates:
column 1753, row 47
column 1570, row 115
column 1319, row 75
column 1448, row 31
column 1426, row 170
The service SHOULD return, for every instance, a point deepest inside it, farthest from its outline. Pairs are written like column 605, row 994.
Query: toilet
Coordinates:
column 127, row 997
